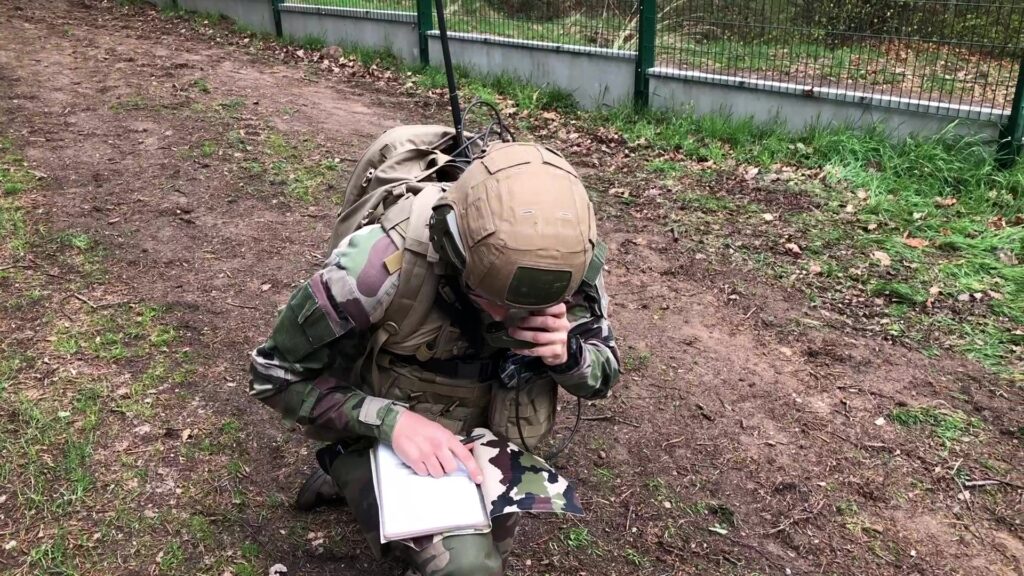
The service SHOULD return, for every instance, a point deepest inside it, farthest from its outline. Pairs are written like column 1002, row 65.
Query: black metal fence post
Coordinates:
column 277, row 18
column 424, row 23
column 1011, row 133
column 647, row 23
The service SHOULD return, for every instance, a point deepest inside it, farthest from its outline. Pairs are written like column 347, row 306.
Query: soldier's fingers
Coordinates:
column 537, row 337
column 558, row 310
column 419, row 467
column 434, row 466
column 548, row 323
column 447, row 461
column 462, row 453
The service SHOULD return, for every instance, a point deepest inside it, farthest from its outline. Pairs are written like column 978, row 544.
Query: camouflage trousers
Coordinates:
column 458, row 555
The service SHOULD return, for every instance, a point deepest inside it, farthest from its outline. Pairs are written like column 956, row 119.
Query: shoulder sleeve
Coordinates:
column 290, row 372
column 360, row 278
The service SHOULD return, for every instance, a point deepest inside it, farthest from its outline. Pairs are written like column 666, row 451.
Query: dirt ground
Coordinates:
column 751, row 433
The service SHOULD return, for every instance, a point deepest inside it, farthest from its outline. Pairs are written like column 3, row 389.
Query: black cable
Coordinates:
column 572, row 434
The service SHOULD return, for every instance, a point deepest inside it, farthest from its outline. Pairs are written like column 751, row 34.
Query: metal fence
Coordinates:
column 386, row 5
column 964, row 54
column 957, row 59
column 900, row 53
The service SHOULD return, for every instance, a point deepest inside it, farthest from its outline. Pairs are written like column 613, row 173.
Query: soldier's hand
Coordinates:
column 429, row 448
column 549, row 330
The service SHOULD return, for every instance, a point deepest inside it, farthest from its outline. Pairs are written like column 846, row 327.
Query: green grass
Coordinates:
column 969, row 249
column 202, row 85
column 636, row 360
column 579, row 539
column 130, row 104
column 15, row 178
column 948, row 426
column 294, row 166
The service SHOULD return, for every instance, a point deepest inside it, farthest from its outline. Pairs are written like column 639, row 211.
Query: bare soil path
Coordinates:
column 751, row 433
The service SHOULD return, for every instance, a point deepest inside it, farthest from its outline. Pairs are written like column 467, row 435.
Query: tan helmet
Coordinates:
column 518, row 225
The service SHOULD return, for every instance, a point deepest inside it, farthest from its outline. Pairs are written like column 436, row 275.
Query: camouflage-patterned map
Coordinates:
column 517, row 481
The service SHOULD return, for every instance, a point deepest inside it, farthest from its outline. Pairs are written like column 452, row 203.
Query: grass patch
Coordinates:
column 636, row 360
column 201, row 85
column 130, row 104
column 948, row 426
column 579, row 539
column 295, row 167
column 938, row 207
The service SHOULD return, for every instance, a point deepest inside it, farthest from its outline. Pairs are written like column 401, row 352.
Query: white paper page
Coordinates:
column 411, row 504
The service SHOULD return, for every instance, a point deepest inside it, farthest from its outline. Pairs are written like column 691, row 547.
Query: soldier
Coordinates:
column 461, row 305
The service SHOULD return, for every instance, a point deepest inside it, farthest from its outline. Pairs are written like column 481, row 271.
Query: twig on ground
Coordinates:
column 680, row 439
column 991, row 482
column 960, row 485
column 230, row 303
column 9, row 266
column 598, row 417
column 83, row 299
column 624, row 421
column 789, row 521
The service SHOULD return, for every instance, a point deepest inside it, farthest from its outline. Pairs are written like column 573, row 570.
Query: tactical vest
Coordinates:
column 417, row 354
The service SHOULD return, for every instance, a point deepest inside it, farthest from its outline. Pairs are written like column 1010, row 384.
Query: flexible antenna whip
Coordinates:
column 453, row 90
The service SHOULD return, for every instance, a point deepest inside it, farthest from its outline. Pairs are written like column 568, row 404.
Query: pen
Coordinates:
column 473, row 438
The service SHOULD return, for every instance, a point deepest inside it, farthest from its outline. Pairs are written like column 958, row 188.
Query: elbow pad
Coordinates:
column 308, row 322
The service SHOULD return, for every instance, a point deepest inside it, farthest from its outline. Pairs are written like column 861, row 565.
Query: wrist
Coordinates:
column 386, row 430
column 574, row 356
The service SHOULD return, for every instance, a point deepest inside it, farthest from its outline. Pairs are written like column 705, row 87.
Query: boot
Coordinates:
column 318, row 490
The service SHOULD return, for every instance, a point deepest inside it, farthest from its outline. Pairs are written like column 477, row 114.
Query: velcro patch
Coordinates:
column 373, row 410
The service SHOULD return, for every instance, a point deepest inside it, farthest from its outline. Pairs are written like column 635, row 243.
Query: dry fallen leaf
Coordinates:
column 768, row 217
column 750, row 173
column 814, row 269
column 915, row 242
column 793, row 249
column 1007, row 257
column 882, row 257
column 997, row 223
column 185, row 435
column 264, row 287
column 945, row 202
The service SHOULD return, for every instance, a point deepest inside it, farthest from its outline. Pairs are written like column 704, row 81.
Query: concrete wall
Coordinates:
column 600, row 77
column 256, row 15
column 394, row 31
column 800, row 107
column 596, row 77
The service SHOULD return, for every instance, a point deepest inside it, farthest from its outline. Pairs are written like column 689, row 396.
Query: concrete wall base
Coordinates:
column 799, row 112
column 257, row 15
column 595, row 77
column 394, row 31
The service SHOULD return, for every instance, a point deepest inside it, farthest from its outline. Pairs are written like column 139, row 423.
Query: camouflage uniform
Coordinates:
column 314, row 384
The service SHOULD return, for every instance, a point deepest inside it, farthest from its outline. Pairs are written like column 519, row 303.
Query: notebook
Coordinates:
column 411, row 505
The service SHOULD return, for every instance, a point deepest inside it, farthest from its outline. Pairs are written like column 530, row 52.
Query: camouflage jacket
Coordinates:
column 359, row 289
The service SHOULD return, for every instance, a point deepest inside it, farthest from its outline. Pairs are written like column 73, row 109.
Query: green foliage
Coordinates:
column 130, row 104
column 947, row 425
column 202, row 85
column 579, row 538
column 636, row 360
column 636, row 558
column 944, row 190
